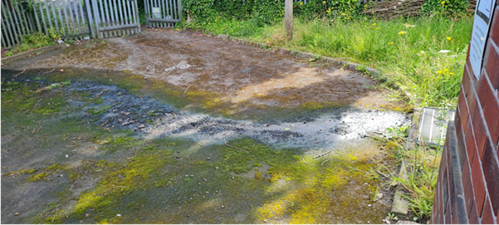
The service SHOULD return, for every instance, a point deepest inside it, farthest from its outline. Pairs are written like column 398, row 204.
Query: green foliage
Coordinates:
column 32, row 41
column 446, row 8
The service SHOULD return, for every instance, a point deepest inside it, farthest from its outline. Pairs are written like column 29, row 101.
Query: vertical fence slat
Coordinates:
column 121, row 20
column 65, row 13
column 36, row 17
column 136, row 15
column 174, row 7
column 27, row 20
column 106, row 34
column 130, row 14
column 43, row 17
column 75, row 4
column 127, row 12
column 54, row 15
column 97, row 17
column 179, row 8
column 70, row 9
column 20, row 29
column 146, row 9
column 90, row 19
column 111, row 12
column 21, row 20
column 59, row 19
column 86, row 19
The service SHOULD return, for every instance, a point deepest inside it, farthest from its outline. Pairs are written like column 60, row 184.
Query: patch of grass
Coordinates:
column 423, row 164
column 407, row 51
column 32, row 41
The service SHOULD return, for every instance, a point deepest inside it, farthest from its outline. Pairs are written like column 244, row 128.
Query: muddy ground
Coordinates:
column 178, row 127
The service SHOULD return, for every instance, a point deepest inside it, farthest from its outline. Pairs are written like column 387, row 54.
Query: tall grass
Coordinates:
column 407, row 51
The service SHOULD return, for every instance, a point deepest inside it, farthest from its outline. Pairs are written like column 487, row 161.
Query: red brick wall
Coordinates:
column 468, row 182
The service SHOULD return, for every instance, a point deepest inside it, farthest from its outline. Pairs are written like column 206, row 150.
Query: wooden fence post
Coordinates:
column 288, row 18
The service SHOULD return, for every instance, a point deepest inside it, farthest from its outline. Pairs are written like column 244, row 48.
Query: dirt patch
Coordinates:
column 241, row 77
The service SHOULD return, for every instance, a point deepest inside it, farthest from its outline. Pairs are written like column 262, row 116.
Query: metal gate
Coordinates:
column 115, row 17
column 69, row 19
column 162, row 13
column 80, row 18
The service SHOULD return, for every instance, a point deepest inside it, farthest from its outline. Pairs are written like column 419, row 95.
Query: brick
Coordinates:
column 478, row 184
column 483, row 89
column 474, row 215
column 491, row 114
column 447, row 214
column 466, row 81
column 494, row 78
column 487, row 216
column 469, row 139
column 467, row 186
column 491, row 173
column 491, row 58
column 471, row 101
column 479, row 131
column 463, row 110
column 494, row 26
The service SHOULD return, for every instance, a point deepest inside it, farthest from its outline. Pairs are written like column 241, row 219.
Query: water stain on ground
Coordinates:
column 239, row 77
column 84, row 144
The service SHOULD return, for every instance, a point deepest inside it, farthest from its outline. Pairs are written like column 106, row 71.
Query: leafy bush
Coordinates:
column 446, row 8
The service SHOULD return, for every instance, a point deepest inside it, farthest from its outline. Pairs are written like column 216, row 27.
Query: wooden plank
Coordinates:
column 27, row 19
column 106, row 10
column 129, row 14
column 288, row 18
column 15, row 15
column 79, row 27
column 22, row 20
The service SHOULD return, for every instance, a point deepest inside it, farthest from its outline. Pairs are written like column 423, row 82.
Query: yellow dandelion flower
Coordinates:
column 449, row 38
column 439, row 72
column 301, row 3
column 374, row 24
column 452, row 41
column 451, row 73
column 446, row 70
column 324, row 2
column 342, row 14
column 402, row 32
column 377, row 28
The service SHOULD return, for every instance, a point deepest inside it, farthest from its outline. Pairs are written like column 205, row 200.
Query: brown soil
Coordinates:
column 237, row 73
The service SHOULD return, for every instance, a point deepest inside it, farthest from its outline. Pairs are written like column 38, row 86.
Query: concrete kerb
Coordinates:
column 27, row 54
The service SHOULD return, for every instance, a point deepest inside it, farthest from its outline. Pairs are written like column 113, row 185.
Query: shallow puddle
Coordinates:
column 84, row 151
column 168, row 127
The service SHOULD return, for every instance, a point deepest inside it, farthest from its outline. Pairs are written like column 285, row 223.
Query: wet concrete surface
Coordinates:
column 231, row 73
column 238, row 74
